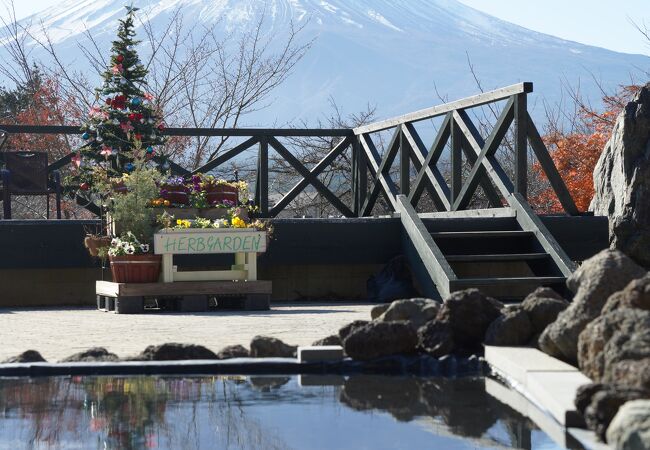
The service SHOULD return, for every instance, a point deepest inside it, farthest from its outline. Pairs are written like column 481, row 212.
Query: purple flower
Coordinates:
column 228, row 203
column 196, row 179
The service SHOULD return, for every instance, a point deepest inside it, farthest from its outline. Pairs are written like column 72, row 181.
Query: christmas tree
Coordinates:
column 125, row 121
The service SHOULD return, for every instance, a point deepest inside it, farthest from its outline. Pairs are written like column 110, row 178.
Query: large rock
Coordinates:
column 630, row 428
column 622, row 180
column 378, row 339
column 594, row 346
column 435, row 338
column 329, row 340
column 378, row 310
column 543, row 306
column 633, row 373
column 469, row 313
column 631, row 352
column 605, row 404
column 593, row 282
column 349, row 328
column 416, row 311
column 27, row 356
column 513, row 328
column 635, row 295
column 174, row 352
column 270, row 347
column 233, row 351
column 95, row 354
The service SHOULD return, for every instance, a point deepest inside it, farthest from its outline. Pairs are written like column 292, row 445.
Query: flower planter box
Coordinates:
column 175, row 194
column 205, row 213
column 245, row 243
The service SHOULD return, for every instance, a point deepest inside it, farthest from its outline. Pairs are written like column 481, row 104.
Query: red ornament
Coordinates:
column 120, row 58
column 132, row 117
column 161, row 126
column 138, row 137
column 119, row 102
column 84, row 186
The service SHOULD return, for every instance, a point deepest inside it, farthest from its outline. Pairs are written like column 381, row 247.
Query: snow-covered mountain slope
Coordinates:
column 386, row 52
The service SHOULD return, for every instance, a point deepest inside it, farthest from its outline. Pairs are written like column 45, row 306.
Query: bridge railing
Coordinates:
column 462, row 134
column 372, row 172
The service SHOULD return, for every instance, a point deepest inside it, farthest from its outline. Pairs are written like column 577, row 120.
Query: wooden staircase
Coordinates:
column 505, row 254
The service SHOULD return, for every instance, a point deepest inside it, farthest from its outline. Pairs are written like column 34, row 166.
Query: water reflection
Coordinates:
column 257, row 413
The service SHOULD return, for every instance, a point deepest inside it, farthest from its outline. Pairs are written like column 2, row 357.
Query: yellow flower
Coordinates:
column 238, row 223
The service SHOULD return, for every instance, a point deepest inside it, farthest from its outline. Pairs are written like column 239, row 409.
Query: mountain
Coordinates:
column 391, row 53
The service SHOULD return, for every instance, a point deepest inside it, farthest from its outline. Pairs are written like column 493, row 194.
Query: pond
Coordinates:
column 244, row 412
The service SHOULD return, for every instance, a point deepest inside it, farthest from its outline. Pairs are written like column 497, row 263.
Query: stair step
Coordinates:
column 480, row 234
column 472, row 282
column 497, row 257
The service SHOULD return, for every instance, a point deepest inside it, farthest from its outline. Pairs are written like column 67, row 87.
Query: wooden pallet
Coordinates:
column 130, row 298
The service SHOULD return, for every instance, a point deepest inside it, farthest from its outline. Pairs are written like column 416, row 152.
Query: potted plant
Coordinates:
column 131, row 261
column 174, row 190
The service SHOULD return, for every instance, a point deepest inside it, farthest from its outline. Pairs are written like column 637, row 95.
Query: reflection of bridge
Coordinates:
column 480, row 230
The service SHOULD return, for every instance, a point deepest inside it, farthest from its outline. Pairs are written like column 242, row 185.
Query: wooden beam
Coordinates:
column 470, row 213
column 387, row 184
column 227, row 155
column 489, row 148
column 469, row 102
column 490, row 164
column 262, row 186
column 302, row 170
column 521, row 144
column 456, row 161
column 362, row 169
column 432, row 257
column 404, row 164
column 426, row 165
column 386, row 163
column 554, row 177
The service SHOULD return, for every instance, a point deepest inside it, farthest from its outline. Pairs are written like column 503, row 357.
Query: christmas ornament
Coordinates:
column 85, row 136
column 129, row 167
column 136, row 101
column 76, row 159
column 84, row 186
column 106, row 152
column 126, row 126
column 150, row 150
column 120, row 58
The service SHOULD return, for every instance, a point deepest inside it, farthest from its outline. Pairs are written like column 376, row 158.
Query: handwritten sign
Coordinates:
column 199, row 241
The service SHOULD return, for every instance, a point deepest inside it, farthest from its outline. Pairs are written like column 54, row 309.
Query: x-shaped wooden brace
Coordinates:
column 486, row 151
column 309, row 177
column 379, row 167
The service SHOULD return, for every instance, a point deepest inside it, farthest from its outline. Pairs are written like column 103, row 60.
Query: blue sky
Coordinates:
column 603, row 23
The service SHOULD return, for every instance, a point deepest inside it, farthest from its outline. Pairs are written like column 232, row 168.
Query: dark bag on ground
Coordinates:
column 393, row 282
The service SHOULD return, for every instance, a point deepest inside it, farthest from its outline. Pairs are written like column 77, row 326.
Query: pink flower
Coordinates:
column 148, row 96
column 76, row 159
column 117, row 69
column 106, row 151
column 126, row 126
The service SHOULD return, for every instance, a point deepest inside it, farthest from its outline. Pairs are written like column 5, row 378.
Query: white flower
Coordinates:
column 115, row 242
column 130, row 250
column 144, row 248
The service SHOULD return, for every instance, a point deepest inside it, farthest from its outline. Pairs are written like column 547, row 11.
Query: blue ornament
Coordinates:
column 136, row 101
column 150, row 150
column 85, row 136
column 129, row 167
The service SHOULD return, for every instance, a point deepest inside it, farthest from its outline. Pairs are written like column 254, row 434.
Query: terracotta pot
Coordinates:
column 177, row 197
column 94, row 243
column 216, row 194
column 135, row 268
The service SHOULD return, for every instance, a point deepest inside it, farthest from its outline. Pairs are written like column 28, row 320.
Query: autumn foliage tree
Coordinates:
column 576, row 152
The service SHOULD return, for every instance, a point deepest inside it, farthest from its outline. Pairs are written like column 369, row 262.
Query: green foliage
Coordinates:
column 14, row 101
column 125, row 116
column 131, row 210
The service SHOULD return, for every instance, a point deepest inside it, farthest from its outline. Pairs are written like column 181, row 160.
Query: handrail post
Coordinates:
column 362, row 176
column 521, row 144
column 404, row 165
column 354, row 178
column 262, row 185
column 456, row 162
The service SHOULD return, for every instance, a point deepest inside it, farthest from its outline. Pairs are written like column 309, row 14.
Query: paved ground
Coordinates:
column 60, row 332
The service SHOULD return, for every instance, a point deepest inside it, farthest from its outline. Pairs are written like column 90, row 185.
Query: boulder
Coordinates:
column 174, row 352
column 622, row 180
column 635, row 295
column 468, row 314
column 543, row 306
column 233, row 351
column 95, row 354
column 596, row 336
column 377, row 339
column 584, row 394
column 349, row 328
column 513, row 328
column 27, row 356
column 378, row 310
column 627, row 351
column 416, row 311
column 329, row 340
column 593, row 282
column 630, row 428
column 435, row 338
column 605, row 404
column 270, row 347
column 633, row 373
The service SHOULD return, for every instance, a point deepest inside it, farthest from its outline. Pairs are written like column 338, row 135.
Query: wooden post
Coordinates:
column 521, row 145
column 354, row 176
column 404, row 165
column 456, row 162
column 262, row 187
column 362, row 177
column 251, row 264
column 168, row 268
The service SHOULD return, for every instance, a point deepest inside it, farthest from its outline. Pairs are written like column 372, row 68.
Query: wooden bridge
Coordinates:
column 503, row 248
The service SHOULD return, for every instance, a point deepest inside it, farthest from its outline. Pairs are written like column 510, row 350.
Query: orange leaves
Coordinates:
column 575, row 154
